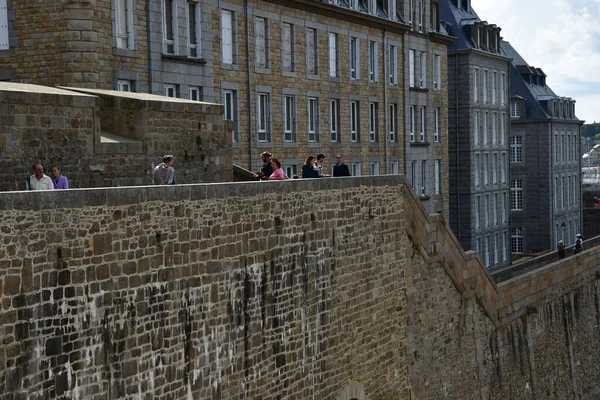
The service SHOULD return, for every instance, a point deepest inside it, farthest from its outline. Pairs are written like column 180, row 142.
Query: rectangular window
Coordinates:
column 423, row 177
column 423, row 66
column 422, row 131
column 334, row 120
column 123, row 19
column 556, row 191
column 494, row 79
column 517, row 240
column 502, row 89
column 124, row 86
column 4, row 37
column 373, row 122
column 227, row 36
column 485, row 129
column 333, row 60
column 504, row 249
column 515, row 110
column 311, row 51
column 263, row 117
column 485, row 86
column 411, row 11
column 496, row 249
column 487, row 251
column 564, row 192
column 411, row 68
column 291, row 170
column 494, row 128
column 354, row 121
column 568, row 192
column 487, row 210
column 373, row 61
column 288, row 62
column 289, row 118
column 356, row 169
column 354, row 58
column 412, row 123
column 437, row 72
column 502, row 128
column 434, row 17
column 421, row 11
column 477, row 169
column 476, row 85
column 516, row 149
column 438, row 177
column 504, row 204
column 169, row 26
column 313, row 119
column 170, row 90
column 394, row 167
column 194, row 44
column 516, row 195
column 393, row 65
column 393, row 116
column 414, row 174
column 230, row 112
column 374, row 168
column 495, row 208
column 503, row 168
column 495, row 170
column 486, row 165
column 436, row 125
column 195, row 93
column 261, row 45
column 476, row 128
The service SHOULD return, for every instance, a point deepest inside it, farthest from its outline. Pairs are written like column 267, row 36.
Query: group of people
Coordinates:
column 40, row 181
column 577, row 246
column 312, row 168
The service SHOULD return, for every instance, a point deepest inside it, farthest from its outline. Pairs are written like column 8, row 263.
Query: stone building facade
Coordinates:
column 195, row 292
column 545, row 154
column 296, row 77
column 478, row 134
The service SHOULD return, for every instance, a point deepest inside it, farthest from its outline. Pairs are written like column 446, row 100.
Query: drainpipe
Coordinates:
column 149, row 44
column 554, row 200
column 249, row 86
column 385, row 110
column 459, row 219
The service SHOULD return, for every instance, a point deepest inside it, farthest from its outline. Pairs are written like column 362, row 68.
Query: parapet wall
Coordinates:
column 329, row 289
column 106, row 138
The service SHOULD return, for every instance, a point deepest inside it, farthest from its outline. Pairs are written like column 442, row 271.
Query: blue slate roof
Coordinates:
column 458, row 20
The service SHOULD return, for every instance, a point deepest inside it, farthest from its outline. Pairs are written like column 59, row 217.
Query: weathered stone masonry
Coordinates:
column 346, row 289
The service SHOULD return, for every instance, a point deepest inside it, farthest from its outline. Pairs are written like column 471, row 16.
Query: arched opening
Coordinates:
column 352, row 391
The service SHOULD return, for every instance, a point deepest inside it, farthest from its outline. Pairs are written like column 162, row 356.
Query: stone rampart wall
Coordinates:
column 330, row 289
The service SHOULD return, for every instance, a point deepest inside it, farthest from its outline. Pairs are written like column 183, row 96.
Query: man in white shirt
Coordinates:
column 39, row 180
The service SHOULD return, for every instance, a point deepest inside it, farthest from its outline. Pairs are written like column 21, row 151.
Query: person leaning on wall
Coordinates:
column 39, row 180
column 164, row 173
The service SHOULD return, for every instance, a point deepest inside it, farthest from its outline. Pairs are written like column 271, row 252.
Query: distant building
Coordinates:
column 545, row 156
column 478, row 127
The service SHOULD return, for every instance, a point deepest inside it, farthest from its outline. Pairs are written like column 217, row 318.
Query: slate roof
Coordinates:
column 457, row 19
column 533, row 94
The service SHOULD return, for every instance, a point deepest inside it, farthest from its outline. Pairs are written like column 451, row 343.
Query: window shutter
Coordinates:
column 261, row 54
column 286, row 43
column 332, row 55
column 3, row 25
column 310, row 45
column 227, row 37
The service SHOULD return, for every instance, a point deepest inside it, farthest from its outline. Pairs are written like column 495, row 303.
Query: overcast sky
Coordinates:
column 562, row 37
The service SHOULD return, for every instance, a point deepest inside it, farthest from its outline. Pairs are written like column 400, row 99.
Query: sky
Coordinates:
column 562, row 37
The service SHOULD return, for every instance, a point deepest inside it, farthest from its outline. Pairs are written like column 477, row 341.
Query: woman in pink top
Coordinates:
column 277, row 171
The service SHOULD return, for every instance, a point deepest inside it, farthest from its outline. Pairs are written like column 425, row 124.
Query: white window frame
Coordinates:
column 312, row 59
column 414, row 177
column 495, row 208
column 436, row 124
column 291, row 170
column 393, row 65
column 496, row 249
column 437, row 72
column 424, row 179
column 227, row 35
column 476, row 85
column 373, row 61
column 517, row 236
column 313, row 120
column 393, row 122
column 288, row 48
column 195, row 91
column 333, row 55
column 356, row 169
column 486, row 170
column 485, row 128
column 125, row 32
column 494, row 94
column 477, row 170
column 124, row 85
column 503, row 168
column 261, row 42
column 354, row 121
column 495, row 169
column 438, row 177
column 423, row 69
column 485, row 86
column 411, row 68
column 394, row 168
column 502, row 89
column 412, row 123
column 170, row 42
column 373, row 122
column 515, row 109
column 230, row 112
column 516, row 195
column 354, row 58
column 502, row 128
column 477, row 212
column 476, row 128
column 289, row 118
column 516, row 149
column 374, row 168
column 171, row 90
column 422, row 112
column 4, row 33
column 494, row 128
column 194, row 50
column 263, row 116
column 334, row 120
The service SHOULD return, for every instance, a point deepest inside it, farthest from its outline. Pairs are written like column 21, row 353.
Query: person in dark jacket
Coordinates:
column 340, row 169
column 267, row 169
column 309, row 169
column 561, row 249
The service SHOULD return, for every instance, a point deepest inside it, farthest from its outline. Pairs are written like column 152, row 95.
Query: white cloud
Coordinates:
column 559, row 36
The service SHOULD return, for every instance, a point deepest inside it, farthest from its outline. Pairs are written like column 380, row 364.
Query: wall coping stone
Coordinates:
column 119, row 196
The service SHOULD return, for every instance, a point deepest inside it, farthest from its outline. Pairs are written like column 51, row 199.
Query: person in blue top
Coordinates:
column 309, row 169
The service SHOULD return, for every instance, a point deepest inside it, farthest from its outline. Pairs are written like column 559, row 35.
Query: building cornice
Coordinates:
column 343, row 14
column 437, row 37
column 479, row 52
column 546, row 121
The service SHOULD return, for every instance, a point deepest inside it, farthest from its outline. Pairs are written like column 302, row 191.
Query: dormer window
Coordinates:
column 411, row 11
column 515, row 109
column 435, row 19
column 487, row 39
column 459, row 3
column 477, row 36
